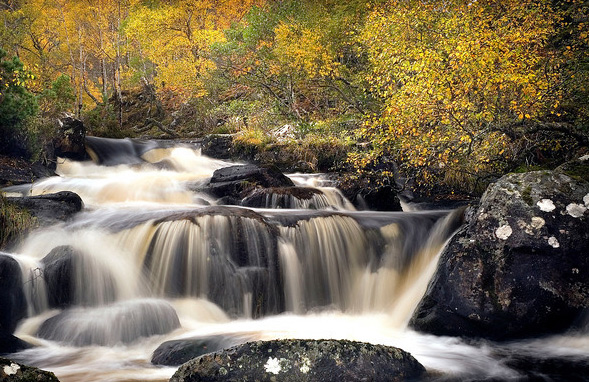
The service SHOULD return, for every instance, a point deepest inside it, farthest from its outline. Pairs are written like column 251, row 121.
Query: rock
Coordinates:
column 58, row 272
column 13, row 302
column 10, row 344
column 519, row 267
column 367, row 194
column 236, row 181
column 281, row 197
column 69, row 142
column 177, row 352
column 544, row 367
column 14, row 171
column 302, row 360
column 15, row 372
column 219, row 146
column 74, row 278
column 50, row 208
column 123, row 322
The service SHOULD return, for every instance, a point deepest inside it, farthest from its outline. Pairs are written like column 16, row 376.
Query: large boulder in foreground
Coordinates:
column 11, row 371
column 519, row 267
column 303, row 360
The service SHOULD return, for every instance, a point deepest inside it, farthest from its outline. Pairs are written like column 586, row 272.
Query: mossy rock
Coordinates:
column 15, row 372
column 577, row 169
column 303, row 360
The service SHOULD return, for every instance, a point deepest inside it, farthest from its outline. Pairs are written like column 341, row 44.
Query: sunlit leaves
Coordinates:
column 454, row 76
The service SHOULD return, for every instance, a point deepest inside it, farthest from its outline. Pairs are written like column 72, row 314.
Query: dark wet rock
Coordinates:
column 14, row 171
column 279, row 197
column 123, row 322
column 219, row 146
column 177, row 352
column 544, row 367
column 65, row 269
column 519, row 267
column 69, row 140
column 303, row 360
column 11, row 371
column 13, row 303
column 237, row 181
column 50, row 208
column 10, row 344
column 368, row 194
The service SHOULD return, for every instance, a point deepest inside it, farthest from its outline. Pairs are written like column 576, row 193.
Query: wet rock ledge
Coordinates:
column 303, row 360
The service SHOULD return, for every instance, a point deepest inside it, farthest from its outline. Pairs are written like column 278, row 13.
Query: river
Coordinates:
column 156, row 259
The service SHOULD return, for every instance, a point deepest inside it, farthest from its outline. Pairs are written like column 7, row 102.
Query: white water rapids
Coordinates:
column 151, row 245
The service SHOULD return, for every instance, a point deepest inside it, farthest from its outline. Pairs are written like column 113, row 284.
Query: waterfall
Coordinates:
column 154, row 257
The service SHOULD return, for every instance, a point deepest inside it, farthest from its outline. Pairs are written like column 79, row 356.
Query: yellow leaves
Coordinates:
column 454, row 72
column 304, row 50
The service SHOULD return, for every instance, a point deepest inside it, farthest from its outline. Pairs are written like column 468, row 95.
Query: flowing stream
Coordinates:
column 154, row 258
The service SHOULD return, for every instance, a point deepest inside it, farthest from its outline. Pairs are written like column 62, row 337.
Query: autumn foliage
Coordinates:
column 456, row 92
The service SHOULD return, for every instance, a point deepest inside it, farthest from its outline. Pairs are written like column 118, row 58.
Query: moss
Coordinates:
column 527, row 196
column 577, row 171
column 14, row 222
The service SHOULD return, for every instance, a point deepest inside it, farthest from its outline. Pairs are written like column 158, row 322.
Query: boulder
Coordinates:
column 303, row 360
column 11, row 371
column 13, row 301
column 110, row 325
column 50, row 208
column 219, row 146
column 14, row 171
column 368, row 194
column 519, row 267
column 69, row 140
column 69, row 275
column 177, row 352
column 237, row 181
column 10, row 344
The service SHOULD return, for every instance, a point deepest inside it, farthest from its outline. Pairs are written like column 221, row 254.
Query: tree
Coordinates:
column 300, row 54
column 461, row 83
column 16, row 104
column 177, row 36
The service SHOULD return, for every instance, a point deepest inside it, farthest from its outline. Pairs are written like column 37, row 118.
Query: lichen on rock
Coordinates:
column 303, row 360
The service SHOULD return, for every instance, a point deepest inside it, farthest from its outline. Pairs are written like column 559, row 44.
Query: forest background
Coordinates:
column 452, row 93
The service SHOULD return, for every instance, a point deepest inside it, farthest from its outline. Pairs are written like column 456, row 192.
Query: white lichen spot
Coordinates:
column 272, row 366
column 503, row 232
column 11, row 369
column 584, row 158
column 537, row 222
column 576, row 210
column 306, row 367
column 586, row 200
column 553, row 242
column 546, row 205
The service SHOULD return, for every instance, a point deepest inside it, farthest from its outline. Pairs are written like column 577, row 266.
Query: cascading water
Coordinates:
column 150, row 260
